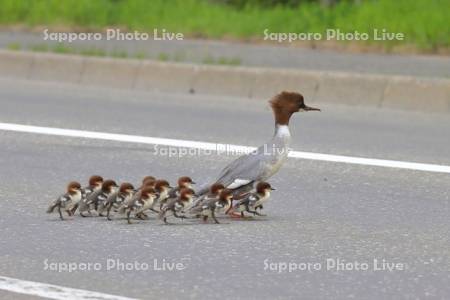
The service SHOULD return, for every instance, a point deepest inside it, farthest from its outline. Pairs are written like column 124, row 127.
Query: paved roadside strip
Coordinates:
column 382, row 91
column 265, row 55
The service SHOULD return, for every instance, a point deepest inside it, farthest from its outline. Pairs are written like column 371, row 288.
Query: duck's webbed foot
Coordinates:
column 213, row 216
column 176, row 215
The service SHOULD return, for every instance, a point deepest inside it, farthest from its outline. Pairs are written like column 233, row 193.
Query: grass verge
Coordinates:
column 424, row 23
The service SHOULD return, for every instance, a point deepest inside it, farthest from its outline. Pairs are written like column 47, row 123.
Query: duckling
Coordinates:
column 115, row 200
column 136, row 195
column 163, row 190
column 214, row 193
column 178, row 206
column 183, row 182
column 213, row 206
column 147, row 196
column 109, row 187
column 95, row 186
column 68, row 200
column 255, row 200
column 148, row 181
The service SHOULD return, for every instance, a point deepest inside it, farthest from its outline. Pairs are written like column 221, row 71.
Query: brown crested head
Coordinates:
column 185, row 181
column 147, row 192
column 262, row 186
column 148, row 179
column 73, row 187
column 108, row 185
column 216, row 188
column 148, row 184
column 126, row 187
column 287, row 103
column 226, row 195
column 95, row 180
column 161, row 184
column 186, row 193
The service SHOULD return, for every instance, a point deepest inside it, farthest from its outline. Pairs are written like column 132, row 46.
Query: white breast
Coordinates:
column 76, row 197
column 278, row 149
column 148, row 203
column 263, row 199
column 188, row 204
column 282, row 131
column 163, row 196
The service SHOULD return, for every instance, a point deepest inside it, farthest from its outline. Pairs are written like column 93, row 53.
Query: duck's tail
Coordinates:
column 52, row 207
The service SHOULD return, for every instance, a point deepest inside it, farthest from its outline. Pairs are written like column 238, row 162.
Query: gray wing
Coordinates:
column 170, row 204
column 247, row 200
column 130, row 202
column 241, row 173
column 207, row 203
column 92, row 197
column 112, row 198
column 173, row 193
column 198, row 202
column 196, row 210
column 248, row 168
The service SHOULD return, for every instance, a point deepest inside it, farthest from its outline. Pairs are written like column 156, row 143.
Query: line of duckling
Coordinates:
column 105, row 198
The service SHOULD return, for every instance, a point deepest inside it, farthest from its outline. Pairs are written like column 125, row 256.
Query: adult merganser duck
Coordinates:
column 259, row 165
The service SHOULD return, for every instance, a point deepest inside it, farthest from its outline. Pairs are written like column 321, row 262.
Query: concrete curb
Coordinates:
column 398, row 92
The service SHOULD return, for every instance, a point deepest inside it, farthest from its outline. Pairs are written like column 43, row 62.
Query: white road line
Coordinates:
column 213, row 147
column 51, row 291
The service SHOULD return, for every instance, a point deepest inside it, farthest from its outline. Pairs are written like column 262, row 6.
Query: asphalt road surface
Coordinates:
column 321, row 213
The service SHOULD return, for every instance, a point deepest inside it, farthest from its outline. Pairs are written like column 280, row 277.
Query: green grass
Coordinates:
column 163, row 56
column 92, row 52
column 62, row 49
column 39, row 48
column 13, row 46
column 179, row 56
column 119, row 54
column 425, row 23
column 233, row 61
column 208, row 60
column 229, row 61
column 140, row 55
